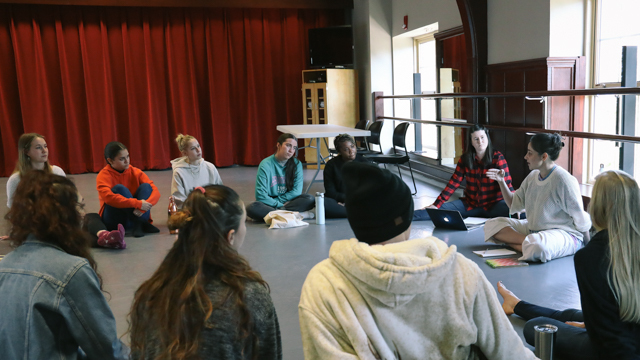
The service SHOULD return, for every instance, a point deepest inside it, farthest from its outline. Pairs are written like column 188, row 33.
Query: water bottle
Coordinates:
column 545, row 336
column 172, row 209
column 319, row 208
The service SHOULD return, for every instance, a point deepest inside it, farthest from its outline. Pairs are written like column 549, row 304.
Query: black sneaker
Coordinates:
column 149, row 228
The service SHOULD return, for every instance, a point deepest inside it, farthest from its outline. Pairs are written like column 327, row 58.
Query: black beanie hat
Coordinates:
column 379, row 204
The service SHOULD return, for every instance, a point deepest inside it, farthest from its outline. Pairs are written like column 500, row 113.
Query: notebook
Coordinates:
column 451, row 219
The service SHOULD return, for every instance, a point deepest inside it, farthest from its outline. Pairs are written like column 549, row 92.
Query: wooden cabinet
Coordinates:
column 329, row 96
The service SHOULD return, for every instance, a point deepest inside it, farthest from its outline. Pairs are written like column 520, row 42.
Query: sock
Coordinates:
column 308, row 214
column 137, row 230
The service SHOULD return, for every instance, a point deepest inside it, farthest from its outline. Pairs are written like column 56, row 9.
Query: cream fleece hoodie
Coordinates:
column 417, row 299
column 188, row 176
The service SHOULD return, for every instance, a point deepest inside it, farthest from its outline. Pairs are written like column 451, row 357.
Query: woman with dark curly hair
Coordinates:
column 52, row 304
column 205, row 301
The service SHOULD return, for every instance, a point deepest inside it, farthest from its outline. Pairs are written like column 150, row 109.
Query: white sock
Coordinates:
column 308, row 214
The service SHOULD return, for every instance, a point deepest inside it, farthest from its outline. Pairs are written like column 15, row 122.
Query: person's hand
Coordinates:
column 575, row 323
column 4, row 237
column 341, row 203
column 430, row 207
column 146, row 206
column 496, row 174
column 137, row 212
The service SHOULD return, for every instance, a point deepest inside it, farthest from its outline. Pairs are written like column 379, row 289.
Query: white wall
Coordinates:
column 425, row 12
column 517, row 30
column 566, row 34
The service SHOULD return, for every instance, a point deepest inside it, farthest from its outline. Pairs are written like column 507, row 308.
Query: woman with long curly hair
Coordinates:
column 205, row 301
column 52, row 304
column 608, row 274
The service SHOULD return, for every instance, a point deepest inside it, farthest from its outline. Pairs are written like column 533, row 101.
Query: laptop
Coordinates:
column 451, row 219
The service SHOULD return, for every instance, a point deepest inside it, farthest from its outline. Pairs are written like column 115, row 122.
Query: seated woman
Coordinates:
column 126, row 193
column 220, row 307
column 279, row 183
column 333, row 185
column 33, row 153
column 556, row 225
column 190, row 170
column 482, row 196
column 51, row 296
column 608, row 274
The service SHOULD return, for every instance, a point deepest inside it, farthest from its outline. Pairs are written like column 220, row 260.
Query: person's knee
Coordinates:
column 529, row 332
column 144, row 191
column 307, row 197
column 535, row 250
column 121, row 190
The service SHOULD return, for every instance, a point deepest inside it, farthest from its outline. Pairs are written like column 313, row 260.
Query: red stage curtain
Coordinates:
column 84, row 76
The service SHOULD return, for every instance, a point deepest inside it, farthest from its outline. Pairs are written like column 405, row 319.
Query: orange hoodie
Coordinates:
column 131, row 179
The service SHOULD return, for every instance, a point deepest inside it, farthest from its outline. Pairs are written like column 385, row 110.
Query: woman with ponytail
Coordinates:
column 279, row 182
column 205, row 301
column 556, row 223
column 608, row 274
column 51, row 296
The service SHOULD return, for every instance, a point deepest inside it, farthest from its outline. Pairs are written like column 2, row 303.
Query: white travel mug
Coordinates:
column 319, row 208
column 545, row 338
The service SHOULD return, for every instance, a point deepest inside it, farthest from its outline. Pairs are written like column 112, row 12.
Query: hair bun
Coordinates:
column 179, row 219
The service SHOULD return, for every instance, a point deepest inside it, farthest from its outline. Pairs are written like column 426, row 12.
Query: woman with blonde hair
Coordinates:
column 33, row 153
column 205, row 301
column 608, row 274
column 190, row 170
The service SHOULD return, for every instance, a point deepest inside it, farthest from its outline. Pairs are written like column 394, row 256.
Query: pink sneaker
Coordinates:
column 113, row 239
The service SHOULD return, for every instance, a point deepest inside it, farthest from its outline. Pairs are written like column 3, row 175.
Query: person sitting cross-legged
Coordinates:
column 383, row 296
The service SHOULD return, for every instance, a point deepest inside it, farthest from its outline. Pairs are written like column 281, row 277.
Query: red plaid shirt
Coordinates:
column 480, row 191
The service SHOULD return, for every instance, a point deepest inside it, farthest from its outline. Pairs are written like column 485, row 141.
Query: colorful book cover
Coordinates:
column 508, row 262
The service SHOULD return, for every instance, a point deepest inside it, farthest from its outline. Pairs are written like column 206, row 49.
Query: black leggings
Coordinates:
column 92, row 224
column 333, row 210
column 571, row 342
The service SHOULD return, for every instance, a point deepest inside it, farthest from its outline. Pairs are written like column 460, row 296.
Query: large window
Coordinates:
column 615, row 25
column 426, row 66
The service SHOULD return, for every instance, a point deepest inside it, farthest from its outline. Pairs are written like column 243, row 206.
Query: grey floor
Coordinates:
column 285, row 256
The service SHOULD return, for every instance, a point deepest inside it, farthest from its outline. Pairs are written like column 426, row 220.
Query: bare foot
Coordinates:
column 510, row 300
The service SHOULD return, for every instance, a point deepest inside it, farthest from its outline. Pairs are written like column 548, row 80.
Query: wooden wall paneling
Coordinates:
column 474, row 21
column 528, row 75
column 565, row 113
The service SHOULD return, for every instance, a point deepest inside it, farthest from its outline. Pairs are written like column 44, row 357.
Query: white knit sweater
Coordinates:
column 14, row 180
column 417, row 299
column 554, row 203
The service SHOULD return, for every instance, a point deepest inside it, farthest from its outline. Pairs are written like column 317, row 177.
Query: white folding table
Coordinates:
column 317, row 132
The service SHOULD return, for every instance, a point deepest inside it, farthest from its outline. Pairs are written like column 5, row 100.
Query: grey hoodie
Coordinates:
column 188, row 176
column 417, row 299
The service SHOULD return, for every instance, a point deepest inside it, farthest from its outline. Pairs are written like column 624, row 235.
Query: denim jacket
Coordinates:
column 51, row 307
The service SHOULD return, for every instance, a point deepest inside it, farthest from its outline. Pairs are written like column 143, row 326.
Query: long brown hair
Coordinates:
column 291, row 165
column 23, row 165
column 170, row 309
column 47, row 206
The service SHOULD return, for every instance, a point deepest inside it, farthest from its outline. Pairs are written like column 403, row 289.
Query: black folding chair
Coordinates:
column 399, row 140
